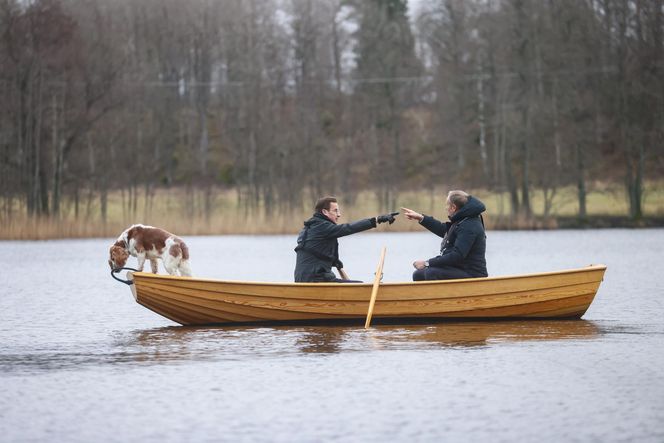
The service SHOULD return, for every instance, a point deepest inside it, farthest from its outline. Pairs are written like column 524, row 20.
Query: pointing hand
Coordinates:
column 387, row 218
column 412, row 215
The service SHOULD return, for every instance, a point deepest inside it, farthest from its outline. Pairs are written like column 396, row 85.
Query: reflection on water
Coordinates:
column 178, row 344
column 484, row 333
column 467, row 334
column 321, row 340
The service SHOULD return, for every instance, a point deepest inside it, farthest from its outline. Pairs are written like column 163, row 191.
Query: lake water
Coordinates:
column 80, row 361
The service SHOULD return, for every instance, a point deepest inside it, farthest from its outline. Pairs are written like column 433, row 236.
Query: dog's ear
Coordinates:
column 119, row 256
column 111, row 256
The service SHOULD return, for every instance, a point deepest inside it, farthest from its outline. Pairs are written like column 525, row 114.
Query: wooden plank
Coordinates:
column 191, row 314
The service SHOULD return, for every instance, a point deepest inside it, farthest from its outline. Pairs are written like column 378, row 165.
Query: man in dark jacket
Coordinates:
column 463, row 249
column 317, row 246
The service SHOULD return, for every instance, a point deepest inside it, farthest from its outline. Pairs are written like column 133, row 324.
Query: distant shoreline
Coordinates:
column 609, row 221
column 67, row 230
column 572, row 222
column 223, row 212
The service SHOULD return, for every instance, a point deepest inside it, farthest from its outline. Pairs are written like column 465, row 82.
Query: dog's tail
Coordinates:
column 185, row 269
column 185, row 250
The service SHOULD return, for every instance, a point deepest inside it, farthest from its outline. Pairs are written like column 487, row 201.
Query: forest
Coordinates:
column 282, row 101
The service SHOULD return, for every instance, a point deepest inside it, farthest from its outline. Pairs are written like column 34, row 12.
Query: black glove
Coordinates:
column 386, row 218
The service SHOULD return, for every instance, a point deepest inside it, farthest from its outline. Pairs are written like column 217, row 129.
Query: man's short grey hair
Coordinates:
column 458, row 198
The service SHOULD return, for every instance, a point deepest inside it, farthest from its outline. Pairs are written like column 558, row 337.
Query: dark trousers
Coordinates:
column 320, row 278
column 446, row 273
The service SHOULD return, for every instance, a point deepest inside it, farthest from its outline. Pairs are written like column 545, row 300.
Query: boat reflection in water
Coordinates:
column 460, row 334
column 247, row 343
column 487, row 333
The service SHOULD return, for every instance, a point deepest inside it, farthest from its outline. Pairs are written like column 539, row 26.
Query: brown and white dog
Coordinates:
column 147, row 242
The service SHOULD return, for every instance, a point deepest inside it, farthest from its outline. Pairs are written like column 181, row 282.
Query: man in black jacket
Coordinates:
column 317, row 246
column 463, row 249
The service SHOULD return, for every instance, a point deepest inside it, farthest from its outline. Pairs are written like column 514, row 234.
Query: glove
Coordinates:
column 386, row 218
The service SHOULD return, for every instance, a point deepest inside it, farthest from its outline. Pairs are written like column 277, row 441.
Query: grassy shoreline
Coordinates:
column 182, row 212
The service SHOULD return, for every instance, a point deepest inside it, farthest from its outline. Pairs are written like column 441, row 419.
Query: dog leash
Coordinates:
column 126, row 282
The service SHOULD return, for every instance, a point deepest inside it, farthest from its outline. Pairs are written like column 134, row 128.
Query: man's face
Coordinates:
column 334, row 213
column 451, row 209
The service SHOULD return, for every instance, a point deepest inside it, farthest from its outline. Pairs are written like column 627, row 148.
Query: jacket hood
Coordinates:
column 472, row 208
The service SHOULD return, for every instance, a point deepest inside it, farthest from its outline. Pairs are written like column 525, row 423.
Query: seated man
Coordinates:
column 317, row 246
column 463, row 249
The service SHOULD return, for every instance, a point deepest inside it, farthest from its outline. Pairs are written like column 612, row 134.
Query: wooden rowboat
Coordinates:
column 196, row 301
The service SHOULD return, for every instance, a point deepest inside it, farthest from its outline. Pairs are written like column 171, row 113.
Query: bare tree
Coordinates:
column 385, row 58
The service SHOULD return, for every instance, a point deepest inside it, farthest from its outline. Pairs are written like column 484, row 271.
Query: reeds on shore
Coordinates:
column 190, row 212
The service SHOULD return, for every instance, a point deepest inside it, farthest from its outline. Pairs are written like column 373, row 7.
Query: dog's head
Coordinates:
column 119, row 256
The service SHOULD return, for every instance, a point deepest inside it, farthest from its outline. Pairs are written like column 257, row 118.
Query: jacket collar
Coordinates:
column 317, row 218
column 472, row 208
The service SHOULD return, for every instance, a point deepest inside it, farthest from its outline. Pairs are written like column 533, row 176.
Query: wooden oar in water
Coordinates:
column 374, row 290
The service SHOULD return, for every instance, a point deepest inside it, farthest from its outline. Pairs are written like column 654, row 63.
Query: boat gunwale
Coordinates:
column 589, row 268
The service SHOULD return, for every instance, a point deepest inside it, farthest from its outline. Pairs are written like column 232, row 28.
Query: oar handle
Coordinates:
column 343, row 274
column 374, row 289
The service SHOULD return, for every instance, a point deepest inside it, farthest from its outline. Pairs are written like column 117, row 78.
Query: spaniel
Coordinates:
column 148, row 242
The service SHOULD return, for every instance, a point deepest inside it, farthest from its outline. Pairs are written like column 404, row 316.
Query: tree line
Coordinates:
column 286, row 100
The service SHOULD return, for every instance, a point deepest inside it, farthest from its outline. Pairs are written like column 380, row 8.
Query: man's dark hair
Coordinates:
column 324, row 203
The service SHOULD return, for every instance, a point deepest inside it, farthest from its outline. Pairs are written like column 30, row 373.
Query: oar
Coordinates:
column 374, row 290
column 343, row 274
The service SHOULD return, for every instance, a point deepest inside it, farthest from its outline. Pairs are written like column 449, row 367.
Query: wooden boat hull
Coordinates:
column 193, row 301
